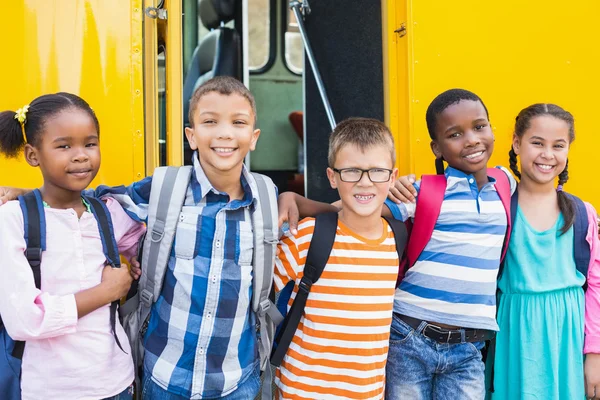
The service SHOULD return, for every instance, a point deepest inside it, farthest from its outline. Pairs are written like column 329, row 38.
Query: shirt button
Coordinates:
column 181, row 217
column 218, row 243
column 471, row 180
column 214, row 279
column 201, row 350
column 208, row 316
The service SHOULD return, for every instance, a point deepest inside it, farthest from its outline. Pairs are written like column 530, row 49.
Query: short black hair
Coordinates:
column 445, row 100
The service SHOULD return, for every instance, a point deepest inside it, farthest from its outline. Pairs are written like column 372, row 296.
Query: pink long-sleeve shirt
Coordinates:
column 592, row 295
column 65, row 357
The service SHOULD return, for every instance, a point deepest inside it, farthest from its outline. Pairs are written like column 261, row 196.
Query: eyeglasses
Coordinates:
column 376, row 175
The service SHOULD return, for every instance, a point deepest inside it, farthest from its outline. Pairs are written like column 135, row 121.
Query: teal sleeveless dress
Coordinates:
column 539, row 349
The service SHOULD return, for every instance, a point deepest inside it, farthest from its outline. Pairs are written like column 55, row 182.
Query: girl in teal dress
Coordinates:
column 547, row 322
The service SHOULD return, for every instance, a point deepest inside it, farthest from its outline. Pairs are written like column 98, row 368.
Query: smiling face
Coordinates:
column 464, row 137
column 68, row 152
column 223, row 132
column 363, row 198
column 543, row 149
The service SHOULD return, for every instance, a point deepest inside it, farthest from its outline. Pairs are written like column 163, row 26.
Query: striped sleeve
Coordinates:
column 292, row 253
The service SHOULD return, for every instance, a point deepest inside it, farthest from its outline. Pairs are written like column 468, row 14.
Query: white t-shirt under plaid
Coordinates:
column 201, row 340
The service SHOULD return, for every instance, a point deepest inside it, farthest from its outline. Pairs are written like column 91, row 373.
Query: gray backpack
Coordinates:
column 169, row 188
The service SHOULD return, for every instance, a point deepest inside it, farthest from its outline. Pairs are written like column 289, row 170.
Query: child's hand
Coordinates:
column 116, row 282
column 135, row 269
column 592, row 376
column 403, row 190
column 288, row 211
column 9, row 193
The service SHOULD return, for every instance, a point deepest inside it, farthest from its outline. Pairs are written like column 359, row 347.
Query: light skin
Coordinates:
column 543, row 151
column 68, row 155
column 223, row 133
column 362, row 201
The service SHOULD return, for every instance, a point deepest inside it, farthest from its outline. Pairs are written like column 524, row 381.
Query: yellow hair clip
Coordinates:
column 21, row 116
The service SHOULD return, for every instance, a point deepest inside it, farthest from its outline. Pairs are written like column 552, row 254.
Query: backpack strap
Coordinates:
column 111, row 251
column 34, row 224
column 400, row 235
column 318, row 254
column 167, row 195
column 581, row 247
column 502, row 185
column 429, row 204
column 266, row 237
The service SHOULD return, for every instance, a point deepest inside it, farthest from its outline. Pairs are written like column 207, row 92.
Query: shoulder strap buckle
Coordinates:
column 147, row 297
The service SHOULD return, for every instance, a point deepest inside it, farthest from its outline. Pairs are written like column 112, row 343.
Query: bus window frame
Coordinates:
column 285, row 13
column 272, row 41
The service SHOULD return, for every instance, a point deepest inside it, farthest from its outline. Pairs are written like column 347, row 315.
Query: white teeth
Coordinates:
column 474, row 155
column 223, row 150
column 364, row 198
column 546, row 167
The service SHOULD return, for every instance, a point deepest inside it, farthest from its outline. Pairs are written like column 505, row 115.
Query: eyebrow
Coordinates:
column 67, row 138
column 542, row 139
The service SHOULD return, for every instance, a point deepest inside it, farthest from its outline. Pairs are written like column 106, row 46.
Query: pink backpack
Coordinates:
column 429, row 204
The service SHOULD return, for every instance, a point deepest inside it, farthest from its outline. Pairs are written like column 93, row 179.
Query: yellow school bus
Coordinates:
column 136, row 62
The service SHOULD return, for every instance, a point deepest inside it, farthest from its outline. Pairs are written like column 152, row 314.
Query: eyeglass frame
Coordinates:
column 339, row 171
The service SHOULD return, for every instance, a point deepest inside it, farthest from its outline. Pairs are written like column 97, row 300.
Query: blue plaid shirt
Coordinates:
column 201, row 341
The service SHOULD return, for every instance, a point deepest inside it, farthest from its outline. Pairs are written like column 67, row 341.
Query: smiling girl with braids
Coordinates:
column 547, row 322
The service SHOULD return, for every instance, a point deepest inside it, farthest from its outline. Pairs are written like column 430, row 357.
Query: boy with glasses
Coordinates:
column 340, row 346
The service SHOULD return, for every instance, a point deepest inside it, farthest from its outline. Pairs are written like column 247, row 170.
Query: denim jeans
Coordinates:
column 126, row 394
column 419, row 368
column 246, row 391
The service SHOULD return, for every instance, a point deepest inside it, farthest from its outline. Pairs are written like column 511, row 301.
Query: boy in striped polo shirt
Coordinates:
column 340, row 346
column 449, row 295
column 446, row 305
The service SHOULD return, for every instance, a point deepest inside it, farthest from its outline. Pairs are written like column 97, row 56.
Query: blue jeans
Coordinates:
column 419, row 368
column 126, row 394
column 246, row 391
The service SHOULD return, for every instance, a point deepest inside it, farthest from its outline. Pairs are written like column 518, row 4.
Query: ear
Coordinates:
column 516, row 144
column 435, row 148
column 189, row 134
column 394, row 175
column 331, row 177
column 31, row 155
column 255, row 136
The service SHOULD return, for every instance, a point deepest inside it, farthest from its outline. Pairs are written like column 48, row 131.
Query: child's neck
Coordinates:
column 61, row 198
column 530, row 188
column 369, row 227
column 225, row 181
column 481, row 178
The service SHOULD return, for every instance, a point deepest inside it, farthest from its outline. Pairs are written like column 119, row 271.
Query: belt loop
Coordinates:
column 421, row 327
column 462, row 336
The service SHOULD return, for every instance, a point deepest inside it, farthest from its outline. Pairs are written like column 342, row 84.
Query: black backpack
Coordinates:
column 319, row 250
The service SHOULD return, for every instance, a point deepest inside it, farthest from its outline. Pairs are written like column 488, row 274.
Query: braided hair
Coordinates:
column 522, row 124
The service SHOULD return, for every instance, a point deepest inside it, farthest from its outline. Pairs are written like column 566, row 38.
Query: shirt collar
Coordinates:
column 455, row 173
column 248, row 184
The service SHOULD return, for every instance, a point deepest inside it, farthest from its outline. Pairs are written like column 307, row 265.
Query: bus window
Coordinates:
column 261, row 35
column 294, row 52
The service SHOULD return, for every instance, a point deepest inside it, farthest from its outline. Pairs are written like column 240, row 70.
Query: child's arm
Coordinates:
column 29, row 313
column 133, row 198
column 288, row 262
column 10, row 193
column 592, row 309
column 293, row 207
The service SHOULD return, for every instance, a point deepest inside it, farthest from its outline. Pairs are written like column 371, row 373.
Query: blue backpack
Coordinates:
column 35, row 239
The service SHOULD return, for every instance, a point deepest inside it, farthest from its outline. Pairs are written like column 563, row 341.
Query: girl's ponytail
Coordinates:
column 564, row 202
column 11, row 134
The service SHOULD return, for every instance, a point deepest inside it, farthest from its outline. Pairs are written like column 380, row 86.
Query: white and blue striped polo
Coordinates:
column 453, row 281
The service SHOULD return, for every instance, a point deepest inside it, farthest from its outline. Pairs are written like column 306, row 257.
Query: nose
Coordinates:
column 80, row 155
column 471, row 138
column 225, row 133
column 547, row 153
column 365, row 180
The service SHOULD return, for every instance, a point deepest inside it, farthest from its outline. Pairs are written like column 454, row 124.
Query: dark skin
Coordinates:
column 68, row 155
column 464, row 138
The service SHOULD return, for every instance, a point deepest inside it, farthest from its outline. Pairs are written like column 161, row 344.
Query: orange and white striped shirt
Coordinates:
column 340, row 348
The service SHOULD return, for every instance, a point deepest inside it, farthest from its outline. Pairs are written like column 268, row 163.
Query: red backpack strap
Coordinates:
column 503, row 188
column 429, row 204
